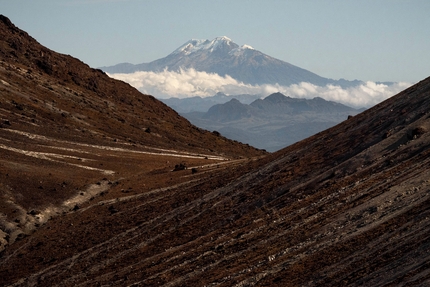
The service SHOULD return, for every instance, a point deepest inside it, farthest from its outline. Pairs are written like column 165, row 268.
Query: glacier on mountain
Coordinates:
column 195, row 45
column 222, row 57
column 240, row 50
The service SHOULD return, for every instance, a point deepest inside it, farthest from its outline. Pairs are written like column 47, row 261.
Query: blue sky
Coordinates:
column 378, row 40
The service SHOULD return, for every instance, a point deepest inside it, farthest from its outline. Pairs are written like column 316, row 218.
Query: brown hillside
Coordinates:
column 349, row 206
column 67, row 130
column 56, row 94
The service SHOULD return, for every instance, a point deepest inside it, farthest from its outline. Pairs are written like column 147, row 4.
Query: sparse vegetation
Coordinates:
column 344, row 207
column 180, row 166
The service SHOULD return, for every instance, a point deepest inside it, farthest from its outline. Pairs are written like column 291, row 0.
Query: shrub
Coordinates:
column 180, row 166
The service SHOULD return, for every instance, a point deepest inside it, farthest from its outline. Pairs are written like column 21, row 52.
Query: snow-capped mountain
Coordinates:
column 224, row 57
column 220, row 43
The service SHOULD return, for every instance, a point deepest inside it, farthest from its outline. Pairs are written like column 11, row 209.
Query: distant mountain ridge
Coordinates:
column 278, row 103
column 224, row 57
column 199, row 104
column 273, row 122
column 273, row 106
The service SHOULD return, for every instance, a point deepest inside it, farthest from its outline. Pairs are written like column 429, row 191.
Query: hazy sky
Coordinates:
column 376, row 40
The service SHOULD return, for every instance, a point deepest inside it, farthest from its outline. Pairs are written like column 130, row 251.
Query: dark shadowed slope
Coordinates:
column 274, row 122
column 349, row 206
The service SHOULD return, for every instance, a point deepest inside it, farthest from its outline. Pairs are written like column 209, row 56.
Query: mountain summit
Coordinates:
column 224, row 57
column 218, row 44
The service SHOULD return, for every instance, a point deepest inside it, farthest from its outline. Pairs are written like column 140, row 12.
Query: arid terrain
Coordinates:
column 94, row 189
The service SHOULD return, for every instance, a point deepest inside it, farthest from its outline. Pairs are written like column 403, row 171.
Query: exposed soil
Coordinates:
column 349, row 206
column 69, row 133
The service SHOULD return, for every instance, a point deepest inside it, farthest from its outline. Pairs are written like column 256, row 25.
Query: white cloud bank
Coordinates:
column 189, row 83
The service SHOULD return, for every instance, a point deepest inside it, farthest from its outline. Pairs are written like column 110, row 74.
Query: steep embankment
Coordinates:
column 69, row 133
column 57, row 94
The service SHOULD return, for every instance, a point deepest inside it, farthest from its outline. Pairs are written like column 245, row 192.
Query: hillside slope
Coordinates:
column 349, row 206
column 72, row 95
column 67, row 130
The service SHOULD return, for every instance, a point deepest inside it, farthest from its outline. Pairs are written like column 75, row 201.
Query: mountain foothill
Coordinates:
column 101, row 185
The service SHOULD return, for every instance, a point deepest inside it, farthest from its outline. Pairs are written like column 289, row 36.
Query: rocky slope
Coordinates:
column 76, row 95
column 349, row 206
column 67, row 130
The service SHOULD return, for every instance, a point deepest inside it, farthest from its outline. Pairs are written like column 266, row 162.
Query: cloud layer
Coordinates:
column 189, row 83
